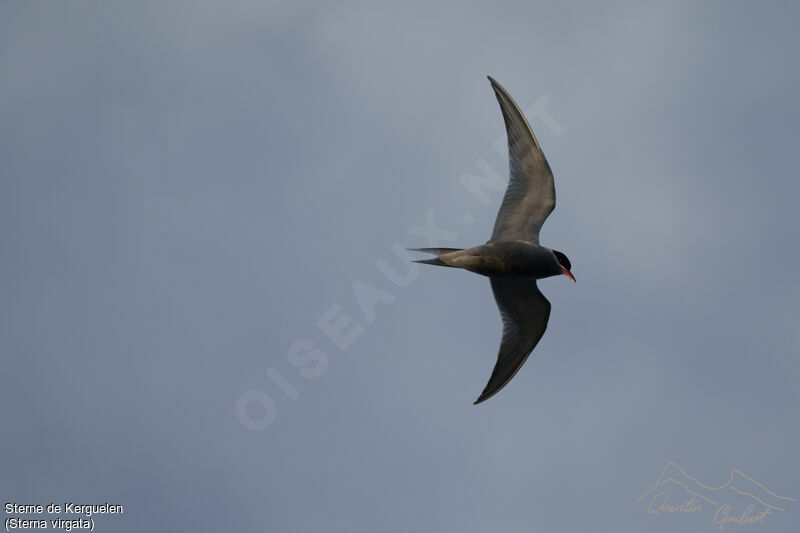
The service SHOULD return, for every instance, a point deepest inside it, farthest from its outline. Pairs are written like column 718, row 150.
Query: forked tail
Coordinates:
column 438, row 251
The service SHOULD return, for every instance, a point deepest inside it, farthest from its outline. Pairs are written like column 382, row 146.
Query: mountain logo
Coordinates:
column 741, row 500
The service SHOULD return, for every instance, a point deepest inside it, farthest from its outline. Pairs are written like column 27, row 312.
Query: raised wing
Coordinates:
column 525, row 312
column 531, row 195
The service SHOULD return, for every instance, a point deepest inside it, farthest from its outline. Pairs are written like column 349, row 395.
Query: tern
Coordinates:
column 513, row 259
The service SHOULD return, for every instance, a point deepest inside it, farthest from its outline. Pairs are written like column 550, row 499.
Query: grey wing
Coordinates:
column 525, row 312
column 531, row 195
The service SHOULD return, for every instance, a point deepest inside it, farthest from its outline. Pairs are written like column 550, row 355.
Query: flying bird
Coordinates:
column 513, row 259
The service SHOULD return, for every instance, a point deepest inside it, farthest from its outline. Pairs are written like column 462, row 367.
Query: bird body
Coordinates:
column 513, row 259
column 504, row 259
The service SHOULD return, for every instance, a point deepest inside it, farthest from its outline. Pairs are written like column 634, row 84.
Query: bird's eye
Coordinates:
column 562, row 259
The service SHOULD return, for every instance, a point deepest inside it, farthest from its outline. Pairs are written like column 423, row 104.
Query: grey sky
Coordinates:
column 187, row 187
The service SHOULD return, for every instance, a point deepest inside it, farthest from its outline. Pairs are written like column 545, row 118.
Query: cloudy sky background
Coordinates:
column 186, row 188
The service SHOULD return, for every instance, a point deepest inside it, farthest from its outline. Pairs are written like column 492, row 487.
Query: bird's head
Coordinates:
column 563, row 262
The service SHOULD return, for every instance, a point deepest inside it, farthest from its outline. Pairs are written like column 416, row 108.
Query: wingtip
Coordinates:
column 498, row 89
column 482, row 398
